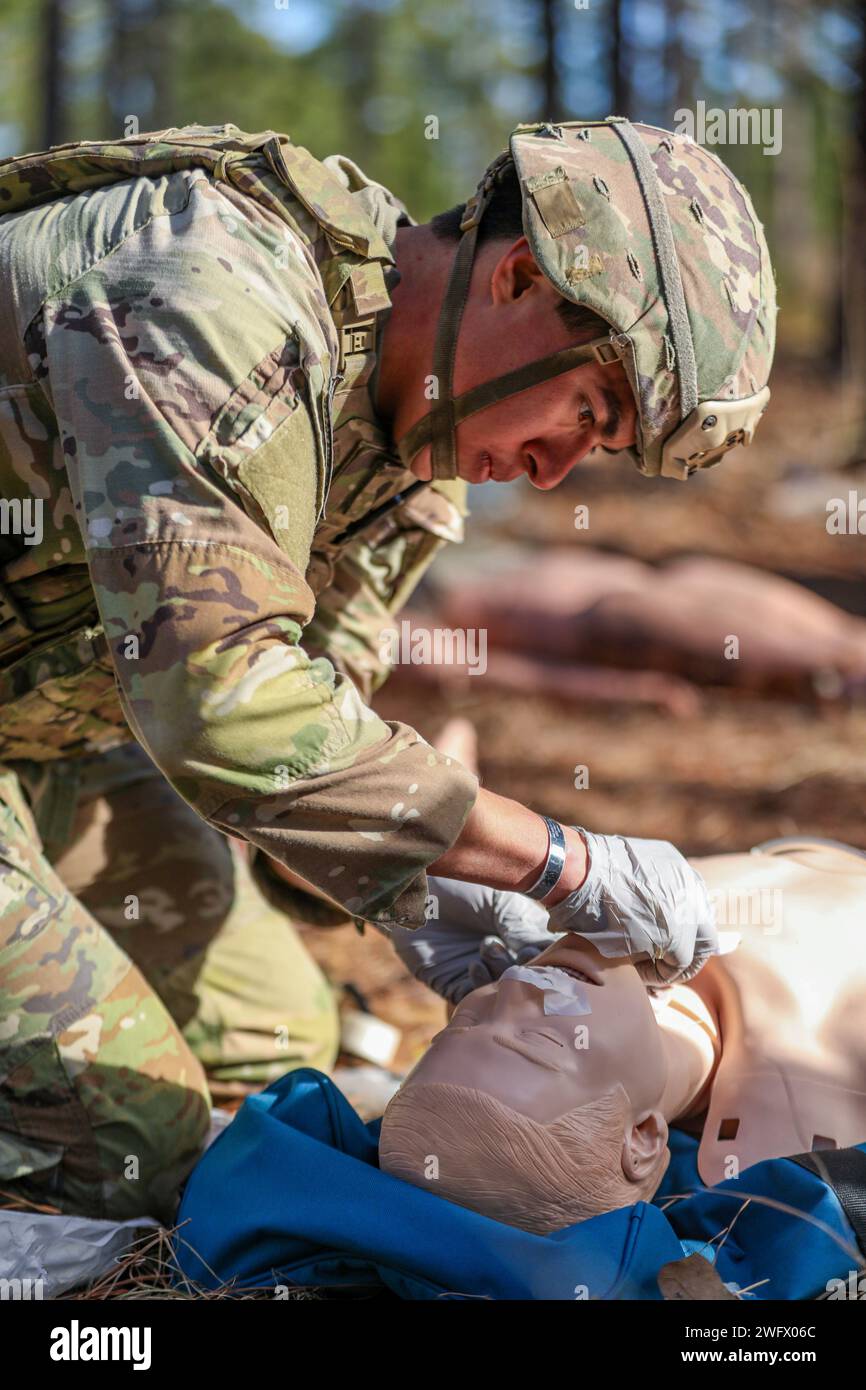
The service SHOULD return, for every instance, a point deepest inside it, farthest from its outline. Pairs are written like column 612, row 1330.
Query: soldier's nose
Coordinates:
column 548, row 468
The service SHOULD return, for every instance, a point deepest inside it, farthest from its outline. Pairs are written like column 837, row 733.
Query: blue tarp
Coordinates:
column 291, row 1193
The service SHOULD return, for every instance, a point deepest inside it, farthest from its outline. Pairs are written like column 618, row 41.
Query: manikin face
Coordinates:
column 502, row 1041
column 511, row 320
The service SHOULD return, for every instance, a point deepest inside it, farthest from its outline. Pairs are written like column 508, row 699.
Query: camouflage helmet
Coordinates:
column 653, row 234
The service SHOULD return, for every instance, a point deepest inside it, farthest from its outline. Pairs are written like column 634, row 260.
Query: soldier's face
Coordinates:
column 511, row 320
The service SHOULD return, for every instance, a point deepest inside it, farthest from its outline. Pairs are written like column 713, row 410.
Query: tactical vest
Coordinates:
column 369, row 485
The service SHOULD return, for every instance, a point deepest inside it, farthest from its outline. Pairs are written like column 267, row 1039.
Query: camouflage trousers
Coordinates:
column 139, row 959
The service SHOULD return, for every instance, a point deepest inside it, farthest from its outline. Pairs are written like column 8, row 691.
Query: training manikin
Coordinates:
column 762, row 1054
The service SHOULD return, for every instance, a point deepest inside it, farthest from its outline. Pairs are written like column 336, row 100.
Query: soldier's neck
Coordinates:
column 406, row 351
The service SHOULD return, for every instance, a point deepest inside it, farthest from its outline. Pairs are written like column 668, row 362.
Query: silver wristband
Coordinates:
column 554, row 864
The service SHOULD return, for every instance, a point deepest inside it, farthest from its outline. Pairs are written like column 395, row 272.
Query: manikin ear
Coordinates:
column 643, row 1146
column 514, row 272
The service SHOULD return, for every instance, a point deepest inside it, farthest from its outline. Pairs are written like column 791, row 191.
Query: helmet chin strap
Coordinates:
column 438, row 428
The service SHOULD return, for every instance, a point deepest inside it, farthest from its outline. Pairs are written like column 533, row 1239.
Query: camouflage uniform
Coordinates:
column 186, row 385
column 103, row 1106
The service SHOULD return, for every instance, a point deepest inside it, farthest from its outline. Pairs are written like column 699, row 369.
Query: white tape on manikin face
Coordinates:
column 563, row 994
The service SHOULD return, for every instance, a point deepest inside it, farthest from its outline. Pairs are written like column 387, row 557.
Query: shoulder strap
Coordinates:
column 252, row 162
column 844, row 1170
column 29, row 180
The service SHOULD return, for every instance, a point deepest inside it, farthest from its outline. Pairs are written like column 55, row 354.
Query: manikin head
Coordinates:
column 539, row 1106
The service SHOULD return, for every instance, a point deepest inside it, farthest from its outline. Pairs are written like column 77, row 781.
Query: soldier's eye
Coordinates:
column 586, row 414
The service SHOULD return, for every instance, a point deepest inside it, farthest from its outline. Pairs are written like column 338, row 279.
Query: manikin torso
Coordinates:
column 791, row 1004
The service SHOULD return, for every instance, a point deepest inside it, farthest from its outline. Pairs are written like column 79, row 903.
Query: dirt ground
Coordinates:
column 738, row 771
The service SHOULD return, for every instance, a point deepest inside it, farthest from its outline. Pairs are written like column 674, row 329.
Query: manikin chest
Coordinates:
column 792, row 1077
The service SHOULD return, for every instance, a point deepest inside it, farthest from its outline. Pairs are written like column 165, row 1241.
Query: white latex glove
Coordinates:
column 472, row 935
column 641, row 898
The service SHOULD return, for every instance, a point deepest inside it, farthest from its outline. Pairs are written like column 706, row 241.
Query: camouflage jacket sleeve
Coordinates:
column 375, row 576
column 188, row 373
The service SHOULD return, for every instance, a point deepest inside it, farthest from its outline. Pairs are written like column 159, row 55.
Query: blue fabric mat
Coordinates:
column 291, row 1193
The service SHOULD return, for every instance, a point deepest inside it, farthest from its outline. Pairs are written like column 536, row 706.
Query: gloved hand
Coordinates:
column 641, row 898
column 472, row 935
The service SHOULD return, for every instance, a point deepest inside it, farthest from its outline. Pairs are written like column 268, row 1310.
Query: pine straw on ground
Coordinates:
column 150, row 1270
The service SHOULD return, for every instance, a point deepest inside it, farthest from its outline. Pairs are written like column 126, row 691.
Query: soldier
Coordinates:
column 231, row 446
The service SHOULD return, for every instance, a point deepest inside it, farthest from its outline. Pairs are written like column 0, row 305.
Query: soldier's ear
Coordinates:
column 514, row 272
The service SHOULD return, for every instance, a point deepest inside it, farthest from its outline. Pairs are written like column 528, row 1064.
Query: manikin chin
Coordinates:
column 548, row 1097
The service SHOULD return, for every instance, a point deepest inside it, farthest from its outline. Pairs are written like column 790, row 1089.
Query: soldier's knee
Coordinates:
column 103, row 1107
column 97, row 1137
column 146, row 1099
column 149, row 1132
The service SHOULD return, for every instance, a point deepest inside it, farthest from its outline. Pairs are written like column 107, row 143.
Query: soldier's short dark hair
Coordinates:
column 503, row 221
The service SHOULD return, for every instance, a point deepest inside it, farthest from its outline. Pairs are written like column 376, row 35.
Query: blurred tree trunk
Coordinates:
column 139, row 69
column 53, row 105
column 678, row 74
column 363, row 40
column 855, row 241
column 619, row 83
column 801, row 244
column 161, row 58
column 551, row 96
